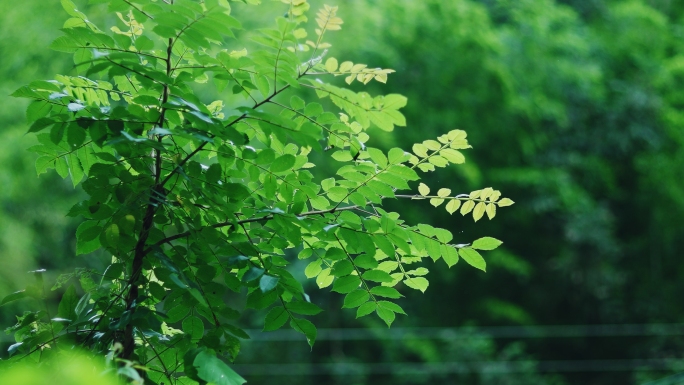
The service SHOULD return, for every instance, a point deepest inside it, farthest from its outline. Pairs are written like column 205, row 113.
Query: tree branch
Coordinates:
column 148, row 222
column 229, row 223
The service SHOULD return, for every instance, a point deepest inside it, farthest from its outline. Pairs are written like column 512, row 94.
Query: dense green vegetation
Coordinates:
column 574, row 111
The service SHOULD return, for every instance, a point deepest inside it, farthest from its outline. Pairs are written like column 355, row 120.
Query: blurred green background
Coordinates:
column 575, row 110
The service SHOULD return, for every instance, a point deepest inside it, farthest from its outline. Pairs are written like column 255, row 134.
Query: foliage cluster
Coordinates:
column 195, row 199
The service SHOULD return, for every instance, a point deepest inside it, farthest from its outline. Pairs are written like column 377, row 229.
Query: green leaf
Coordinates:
column 337, row 194
column 335, row 253
column 365, row 309
column 449, row 254
column 87, row 237
column 384, row 291
column 453, row 156
column 313, row 109
column 453, row 205
column 112, row 235
column 473, row 258
column 478, row 211
column 87, row 231
column 394, row 101
column 423, row 189
column 346, row 284
column 194, row 327
column 377, row 276
column 436, row 201
column 397, row 155
column 504, row 202
column 212, row 369
column 391, row 306
column 304, row 308
column 467, row 207
column 486, row 243
column 268, row 282
column 252, row 274
column 331, row 64
column 305, row 327
column 324, row 279
column 297, row 103
column 420, row 150
column 67, row 306
column 13, row 297
column 313, row 268
column 355, row 298
column 37, row 110
column 342, row 268
column 377, row 156
column 386, row 315
column 276, row 318
column 417, row 283
column 283, row 163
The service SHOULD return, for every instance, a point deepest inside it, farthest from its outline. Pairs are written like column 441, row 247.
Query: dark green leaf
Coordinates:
column 13, row 297
column 194, row 327
column 67, row 306
column 211, row 369
column 304, row 308
column 276, row 318
column 252, row 274
column 306, row 327
column 268, row 282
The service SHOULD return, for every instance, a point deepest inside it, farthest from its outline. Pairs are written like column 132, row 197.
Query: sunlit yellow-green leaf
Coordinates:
column 436, row 201
column 324, row 279
column 453, row 205
column 331, row 64
column 486, row 243
column 417, row 283
column 467, row 207
column 478, row 211
column 423, row 189
column 491, row 210
column 443, row 192
column 473, row 258
column 420, row 150
column 486, row 192
column 432, row 145
column 505, row 202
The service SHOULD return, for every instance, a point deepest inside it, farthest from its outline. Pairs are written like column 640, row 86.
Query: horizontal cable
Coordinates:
column 489, row 367
column 535, row 331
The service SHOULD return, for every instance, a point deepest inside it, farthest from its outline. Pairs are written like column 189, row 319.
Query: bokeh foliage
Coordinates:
column 574, row 109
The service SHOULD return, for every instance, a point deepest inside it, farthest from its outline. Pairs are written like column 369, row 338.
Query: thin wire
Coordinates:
column 489, row 367
column 514, row 332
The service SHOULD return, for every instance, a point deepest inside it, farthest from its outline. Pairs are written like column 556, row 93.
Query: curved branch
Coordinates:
column 240, row 222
